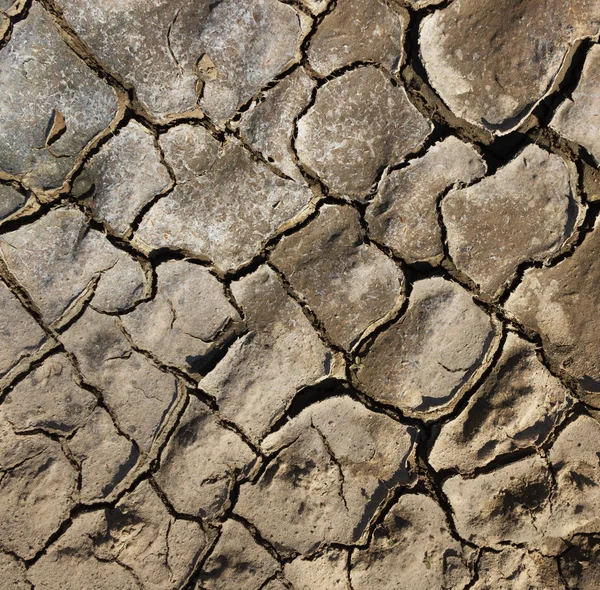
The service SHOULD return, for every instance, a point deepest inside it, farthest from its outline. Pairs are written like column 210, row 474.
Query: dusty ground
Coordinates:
column 299, row 294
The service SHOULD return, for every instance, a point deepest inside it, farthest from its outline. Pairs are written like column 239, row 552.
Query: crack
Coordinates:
column 335, row 461
column 169, row 48
column 257, row 536
column 134, row 225
column 496, row 152
column 475, row 575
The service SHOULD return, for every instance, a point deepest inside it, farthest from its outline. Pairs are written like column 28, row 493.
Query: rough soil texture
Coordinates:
column 299, row 295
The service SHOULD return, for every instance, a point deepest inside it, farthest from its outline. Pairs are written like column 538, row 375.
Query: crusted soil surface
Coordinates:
column 299, row 295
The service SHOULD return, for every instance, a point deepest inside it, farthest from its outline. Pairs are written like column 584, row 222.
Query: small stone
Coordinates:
column 36, row 493
column 207, row 68
column 201, row 463
column 560, row 303
column 517, row 407
column 425, row 361
column 14, row 573
column 403, row 215
column 359, row 31
column 348, row 284
column 135, row 544
column 11, row 200
column 105, row 457
column 268, row 125
column 139, row 395
column 124, row 176
column 40, row 75
column 237, row 562
column 347, row 144
column 49, row 399
column 327, row 571
column 189, row 322
column 280, row 354
column 413, row 541
column 334, row 465
column 21, row 335
column 60, row 261
column 493, row 61
column 210, row 213
column 57, row 128
column 514, row 568
column 525, row 212
column 503, row 506
column 577, row 118
column 580, row 564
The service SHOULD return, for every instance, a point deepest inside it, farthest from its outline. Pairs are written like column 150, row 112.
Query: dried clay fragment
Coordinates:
column 517, row 407
column 139, row 395
column 11, row 200
column 49, row 399
column 348, row 284
column 359, row 31
column 279, row 355
column 38, row 485
column 580, row 564
column 329, row 570
column 14, row 572
column 539, row 503
column 250, row 42
column 268, row 125
column 414, row 542
column 123, row 177
column 201, row 463
column 237, row 561
column 104, row 455
column 425, row 361
column 334, row 465
column 189, row 323
column 225, row 206
column 578, row 117
column 21, row 335
column 134, row 544
column 560, row 303
column 61, row 262
column 505, row 505
column 514, row 568
column 10, row 6
column 492, row 61
column 359, row 124
column 404, row 215
column 527, row 211
column 39, row 77
column 167, row 52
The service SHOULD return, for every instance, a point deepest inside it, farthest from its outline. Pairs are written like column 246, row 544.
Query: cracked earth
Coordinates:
column 299, row 294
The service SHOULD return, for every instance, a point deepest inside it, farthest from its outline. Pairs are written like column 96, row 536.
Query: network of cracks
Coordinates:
column 299, row 294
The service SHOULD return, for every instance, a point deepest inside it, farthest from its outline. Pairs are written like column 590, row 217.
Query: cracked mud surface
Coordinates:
column 300, row 295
